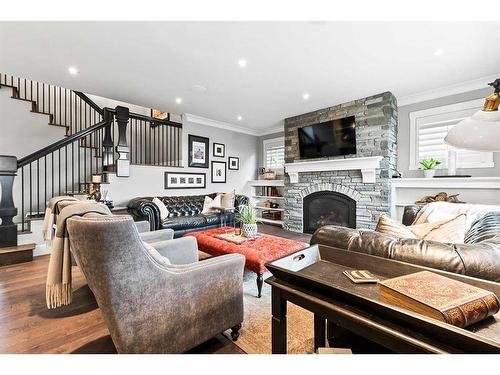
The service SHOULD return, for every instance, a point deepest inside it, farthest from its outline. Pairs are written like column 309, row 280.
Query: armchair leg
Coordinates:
column 235, row 332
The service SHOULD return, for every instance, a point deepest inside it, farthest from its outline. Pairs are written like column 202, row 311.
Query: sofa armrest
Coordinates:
column 480, row 260
column 410, row 213
column 182, row 250
column 144, row 209
column 157, row 235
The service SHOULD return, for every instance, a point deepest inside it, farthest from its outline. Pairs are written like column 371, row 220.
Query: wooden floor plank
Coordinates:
column 27, row 326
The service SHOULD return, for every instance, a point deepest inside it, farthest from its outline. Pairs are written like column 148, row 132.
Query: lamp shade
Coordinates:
column 480, row 132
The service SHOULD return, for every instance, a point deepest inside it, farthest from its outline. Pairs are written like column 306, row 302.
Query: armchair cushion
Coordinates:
column 182, row 250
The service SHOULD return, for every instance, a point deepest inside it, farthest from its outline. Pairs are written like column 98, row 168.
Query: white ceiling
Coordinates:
column 152, row 63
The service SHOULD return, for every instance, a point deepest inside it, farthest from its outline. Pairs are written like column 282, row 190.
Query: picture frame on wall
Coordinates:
column 198, row 151
column 218, row 172
column 185, row 180
column 219, row 150
column 234, row 163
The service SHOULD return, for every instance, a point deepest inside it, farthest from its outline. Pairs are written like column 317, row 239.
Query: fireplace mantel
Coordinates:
column 366, row 165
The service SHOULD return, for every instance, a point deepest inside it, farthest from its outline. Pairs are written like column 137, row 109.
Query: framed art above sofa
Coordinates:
column 198, row 151
column 185, row 180
column 219, row 172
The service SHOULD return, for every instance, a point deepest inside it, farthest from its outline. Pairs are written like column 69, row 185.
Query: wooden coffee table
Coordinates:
column 314, row 280
column 257, row 252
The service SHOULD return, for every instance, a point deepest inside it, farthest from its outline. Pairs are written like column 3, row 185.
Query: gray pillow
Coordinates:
column 484, row 229
column 160, row 259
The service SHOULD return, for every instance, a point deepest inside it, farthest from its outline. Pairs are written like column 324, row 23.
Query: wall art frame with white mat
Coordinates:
column 185, row 180
column 198, row 151
column 233, row 163
column 219, row 172
column 219, row 150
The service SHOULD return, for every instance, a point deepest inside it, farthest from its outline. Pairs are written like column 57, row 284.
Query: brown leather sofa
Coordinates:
column 481, row 259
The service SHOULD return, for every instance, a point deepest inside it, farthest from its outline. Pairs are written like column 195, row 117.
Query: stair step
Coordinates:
column 60, row 125
column 16, row 254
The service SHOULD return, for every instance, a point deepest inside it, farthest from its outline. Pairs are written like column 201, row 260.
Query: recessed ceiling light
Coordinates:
column 438, row 52
column 178, row 100
column 73, row 70
column 305, row 96
column 242, row 63
column 239, row 118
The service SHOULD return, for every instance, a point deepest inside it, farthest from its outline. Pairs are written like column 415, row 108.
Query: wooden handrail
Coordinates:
column 152, row 120
column 59, row 144
column 89, row 101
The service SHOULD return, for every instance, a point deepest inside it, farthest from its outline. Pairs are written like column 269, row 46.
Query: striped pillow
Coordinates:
column 485, row 229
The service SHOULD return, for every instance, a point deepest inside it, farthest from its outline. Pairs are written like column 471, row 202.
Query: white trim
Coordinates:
column 445, row 109
column 228, row 126
column 458, row 88
column 448, row 183
column 366, row 165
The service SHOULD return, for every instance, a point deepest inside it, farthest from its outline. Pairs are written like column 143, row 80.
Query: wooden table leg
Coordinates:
column 319, row 332
column 279, row 334
column 260, row 280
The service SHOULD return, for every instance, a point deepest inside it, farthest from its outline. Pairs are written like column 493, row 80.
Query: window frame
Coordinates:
column 417, row 116
column 265, row 144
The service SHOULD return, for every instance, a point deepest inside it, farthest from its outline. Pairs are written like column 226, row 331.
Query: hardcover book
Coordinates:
column 360, row 276
column 440, row 297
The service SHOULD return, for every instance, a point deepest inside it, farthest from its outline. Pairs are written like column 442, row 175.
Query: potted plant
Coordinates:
column 248, row 218
column 429, row 165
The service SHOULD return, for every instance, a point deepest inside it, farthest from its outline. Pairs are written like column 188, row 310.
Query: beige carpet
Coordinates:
column 255, row 335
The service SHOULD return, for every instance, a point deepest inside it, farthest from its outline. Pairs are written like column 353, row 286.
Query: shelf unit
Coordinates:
column 264, row 190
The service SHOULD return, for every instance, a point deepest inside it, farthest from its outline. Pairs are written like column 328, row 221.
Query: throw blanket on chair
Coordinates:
column 58, row 287
column 51, row 212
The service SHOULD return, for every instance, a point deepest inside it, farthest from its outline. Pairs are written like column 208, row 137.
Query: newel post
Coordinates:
column 8, row 230
column 123, row 162
column 107, row 142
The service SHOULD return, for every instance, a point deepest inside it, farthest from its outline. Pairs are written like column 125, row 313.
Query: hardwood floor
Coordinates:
column 27, row 326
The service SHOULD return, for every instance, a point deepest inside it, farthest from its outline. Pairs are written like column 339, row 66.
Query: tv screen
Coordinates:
column 331, row 138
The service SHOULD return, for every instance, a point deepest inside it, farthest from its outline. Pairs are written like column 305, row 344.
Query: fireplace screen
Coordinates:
column 328, row 208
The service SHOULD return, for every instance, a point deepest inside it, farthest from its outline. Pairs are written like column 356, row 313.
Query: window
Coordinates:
column 428, row 129
column 274, row 153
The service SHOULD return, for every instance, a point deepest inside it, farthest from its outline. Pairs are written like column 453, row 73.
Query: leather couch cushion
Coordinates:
column 185, row 222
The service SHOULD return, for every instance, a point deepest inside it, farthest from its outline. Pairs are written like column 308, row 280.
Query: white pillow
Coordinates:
column 209, row 204
column 227, row 200
column 163, row 209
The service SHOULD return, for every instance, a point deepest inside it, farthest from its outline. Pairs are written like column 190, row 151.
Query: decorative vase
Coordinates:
column 429, row 173
column 249, row 230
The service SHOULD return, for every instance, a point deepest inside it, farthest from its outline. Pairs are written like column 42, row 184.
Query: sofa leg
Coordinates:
column 260, row 279
column 235, row 332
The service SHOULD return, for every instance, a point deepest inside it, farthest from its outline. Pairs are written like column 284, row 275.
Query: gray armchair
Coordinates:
column 151, row 306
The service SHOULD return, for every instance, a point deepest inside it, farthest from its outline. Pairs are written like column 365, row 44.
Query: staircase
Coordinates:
column 97, row 141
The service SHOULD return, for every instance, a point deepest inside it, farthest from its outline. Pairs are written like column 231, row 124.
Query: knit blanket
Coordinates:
column 58, row 290
column 51, row 213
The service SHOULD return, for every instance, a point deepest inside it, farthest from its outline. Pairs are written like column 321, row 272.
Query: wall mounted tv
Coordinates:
column 331, row 138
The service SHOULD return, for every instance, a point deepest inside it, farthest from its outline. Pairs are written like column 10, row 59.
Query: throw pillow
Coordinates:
column 448, row 230
column 485, row 229
column 164, row 261
column 210, row 204
column 391, row 227
column 163, row 209
column 227, row 200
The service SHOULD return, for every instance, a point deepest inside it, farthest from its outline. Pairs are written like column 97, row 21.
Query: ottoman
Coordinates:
column 257, row 252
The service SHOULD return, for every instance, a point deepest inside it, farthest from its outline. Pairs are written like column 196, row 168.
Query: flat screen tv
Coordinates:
column 331, row 138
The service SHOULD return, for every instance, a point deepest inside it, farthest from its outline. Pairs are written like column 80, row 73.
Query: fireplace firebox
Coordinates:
column 328, row 208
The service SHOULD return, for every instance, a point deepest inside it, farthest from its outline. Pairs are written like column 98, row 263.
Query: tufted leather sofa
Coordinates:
column 184, row 213
column 481, row 259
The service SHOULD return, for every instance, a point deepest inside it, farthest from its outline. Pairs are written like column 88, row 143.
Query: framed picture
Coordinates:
column 185, row 180
column 198, row 151
column 218, row 172
column 219, row 150
column 160, row 115
column 234, row 163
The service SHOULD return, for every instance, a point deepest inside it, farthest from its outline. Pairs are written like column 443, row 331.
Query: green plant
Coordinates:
column 247, row 214
column 428, row 164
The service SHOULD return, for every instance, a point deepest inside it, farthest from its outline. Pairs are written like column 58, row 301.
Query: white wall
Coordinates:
column 149, row 181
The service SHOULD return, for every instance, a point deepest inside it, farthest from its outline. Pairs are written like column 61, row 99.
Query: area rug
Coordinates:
column 255, row 335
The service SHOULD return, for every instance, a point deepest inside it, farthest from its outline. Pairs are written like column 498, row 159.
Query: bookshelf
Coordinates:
column 268, row 191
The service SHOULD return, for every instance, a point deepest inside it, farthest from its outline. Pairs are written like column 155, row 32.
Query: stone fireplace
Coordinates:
column 328, row 208
column 349, row 190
